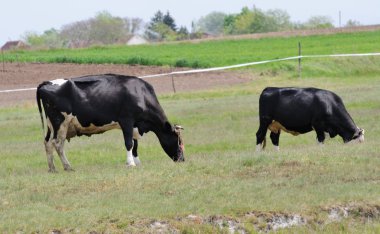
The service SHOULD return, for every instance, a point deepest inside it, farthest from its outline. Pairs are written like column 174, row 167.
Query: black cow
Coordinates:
column 97, row 103
column 300, row 110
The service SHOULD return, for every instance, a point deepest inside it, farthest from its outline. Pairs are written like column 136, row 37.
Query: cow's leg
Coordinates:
column 49, row 148
column 134, row 152
column 275, row 137
column 319, row 129
column 127, row 128
column 59, row 144
column 261, row 133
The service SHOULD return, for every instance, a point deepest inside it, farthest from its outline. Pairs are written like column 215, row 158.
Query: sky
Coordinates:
column 18, row 17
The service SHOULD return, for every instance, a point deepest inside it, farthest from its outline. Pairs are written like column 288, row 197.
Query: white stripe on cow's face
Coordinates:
column 58, row 81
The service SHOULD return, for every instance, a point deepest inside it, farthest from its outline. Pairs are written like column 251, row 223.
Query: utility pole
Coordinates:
column 299, row 60
column 340, row 19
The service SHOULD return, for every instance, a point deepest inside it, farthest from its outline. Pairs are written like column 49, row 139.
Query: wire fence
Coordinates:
column 227, row 67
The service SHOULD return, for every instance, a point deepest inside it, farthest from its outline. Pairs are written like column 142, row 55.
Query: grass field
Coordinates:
column 223, row 180
column 222, row 176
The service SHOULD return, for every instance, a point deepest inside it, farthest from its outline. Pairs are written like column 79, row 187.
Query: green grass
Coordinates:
column 208, row 53
column 222, row 175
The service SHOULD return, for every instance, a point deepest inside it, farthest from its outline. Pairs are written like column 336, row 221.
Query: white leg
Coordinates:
column 59, row 143
column 136, row 160
column 259, row 147
column 277, row 148
column 130, row 161
column 49, row 154
column 59, row 146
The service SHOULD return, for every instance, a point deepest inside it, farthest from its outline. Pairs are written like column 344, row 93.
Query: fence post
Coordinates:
column 299, row 60
column 173, row 84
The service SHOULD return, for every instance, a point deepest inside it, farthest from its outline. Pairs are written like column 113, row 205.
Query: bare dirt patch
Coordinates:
column 29, row 75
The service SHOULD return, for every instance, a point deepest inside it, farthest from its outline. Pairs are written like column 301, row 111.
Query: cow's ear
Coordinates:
column 178, row 128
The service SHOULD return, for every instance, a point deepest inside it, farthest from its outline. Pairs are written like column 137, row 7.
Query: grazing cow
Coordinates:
column 300, row 110
column 94, row 104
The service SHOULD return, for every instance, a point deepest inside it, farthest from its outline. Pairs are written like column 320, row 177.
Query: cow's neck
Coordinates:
column 347, row 128
column 166, row 138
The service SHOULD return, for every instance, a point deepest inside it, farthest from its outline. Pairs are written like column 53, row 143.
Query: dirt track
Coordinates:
column 17, row 76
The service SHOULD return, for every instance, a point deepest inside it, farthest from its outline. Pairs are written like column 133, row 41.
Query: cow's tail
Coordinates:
column 39, row 104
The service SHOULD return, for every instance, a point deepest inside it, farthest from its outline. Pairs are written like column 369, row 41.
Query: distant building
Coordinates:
column 137, row 40
column 11, row 45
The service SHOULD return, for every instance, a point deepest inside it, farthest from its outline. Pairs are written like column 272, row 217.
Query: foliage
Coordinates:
column 213, row 23
column 102, row 29
column 49, row 39
column 257, row 21
column 352, row 23
column 162, row 27
column 318, row 22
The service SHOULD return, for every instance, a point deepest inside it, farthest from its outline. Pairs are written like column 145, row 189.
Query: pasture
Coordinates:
column 223, row 186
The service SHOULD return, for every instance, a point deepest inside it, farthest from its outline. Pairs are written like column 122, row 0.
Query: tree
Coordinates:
column 169, row 21
column 352, row 23
column 256, row 21
column 182, row 33
column 133, row 25
column 319, row 22
column 161, row 27
column 212, row 23
column 106, row 29
column 277, row 20
column 49, row 39
column 77, row 34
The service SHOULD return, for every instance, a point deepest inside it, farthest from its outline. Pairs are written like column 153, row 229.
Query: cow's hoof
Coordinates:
column 136, row 161
column 130, row 165
column 69, row 169
column 53, row 171
column 259, row 148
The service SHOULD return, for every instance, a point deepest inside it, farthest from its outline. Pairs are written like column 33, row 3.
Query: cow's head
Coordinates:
column 358, row 136
column 180, row 144
column 173, row 143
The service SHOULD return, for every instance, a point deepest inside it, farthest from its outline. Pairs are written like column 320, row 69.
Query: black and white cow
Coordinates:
column 97, row 103
column 300, row 110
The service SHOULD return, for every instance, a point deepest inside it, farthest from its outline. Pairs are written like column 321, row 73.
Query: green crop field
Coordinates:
column 224, row 184
column 207, row 53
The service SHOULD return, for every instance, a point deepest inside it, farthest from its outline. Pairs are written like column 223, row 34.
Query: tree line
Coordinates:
column 106, row 29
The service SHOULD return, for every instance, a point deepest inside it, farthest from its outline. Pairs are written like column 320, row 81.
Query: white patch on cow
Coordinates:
column 58, row 82
column 75, row 128
column 136, row 160
column 130, row 161
column 136, row 134
column 357, row 140
column 361, row 138
column 277, row 148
